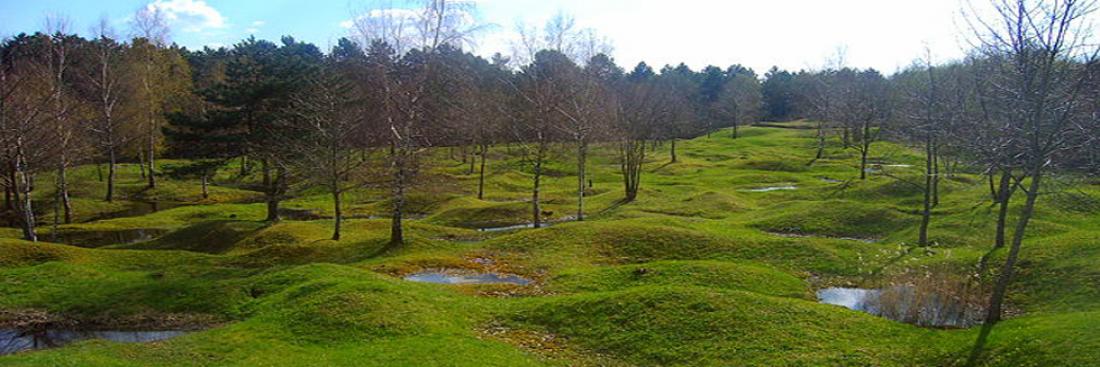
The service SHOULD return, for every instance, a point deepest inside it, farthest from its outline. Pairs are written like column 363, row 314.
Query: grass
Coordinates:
column 700, row 270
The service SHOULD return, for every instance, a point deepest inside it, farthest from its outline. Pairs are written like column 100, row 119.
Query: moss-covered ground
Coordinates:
column 700, row 270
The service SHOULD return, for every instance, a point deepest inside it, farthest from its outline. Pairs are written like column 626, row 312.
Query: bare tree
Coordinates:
column 59, row 59
column 931, row 100
column 150, row 24
column 26, row 103
column 587, row 105
column 741, row 100
column 644, row 102
column 862, row 100
column 415, row 35
column 1042, row 63
column 103, row 75
column 327, row 126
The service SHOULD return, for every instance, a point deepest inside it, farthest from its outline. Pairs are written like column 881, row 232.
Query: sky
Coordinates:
column 791, row 34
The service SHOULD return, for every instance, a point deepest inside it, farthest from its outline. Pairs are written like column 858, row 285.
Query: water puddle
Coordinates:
column 141, row 208
column 14, row 341
column 304, row 215
column 526, row 225
column 93, row 239
column 878, row 167
column 905, row 304
column 511, row 228
column 773, row 188
column 458, row 279
column 800, row 235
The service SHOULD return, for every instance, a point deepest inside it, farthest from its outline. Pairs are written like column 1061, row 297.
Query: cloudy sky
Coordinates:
column 792, row 34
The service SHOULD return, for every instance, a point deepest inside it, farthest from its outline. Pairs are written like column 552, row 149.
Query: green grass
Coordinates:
column 699, row 270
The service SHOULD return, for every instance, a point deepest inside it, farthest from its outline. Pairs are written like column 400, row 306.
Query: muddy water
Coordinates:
column 14, row 341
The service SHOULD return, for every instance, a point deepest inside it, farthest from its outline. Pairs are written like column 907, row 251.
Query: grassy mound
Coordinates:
column 835, row 218
column 692, row 326
column 713, row 274
column 214, row 237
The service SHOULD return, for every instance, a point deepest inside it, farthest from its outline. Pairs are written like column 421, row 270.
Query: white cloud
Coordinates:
column 190, row 15
column 255, row 28
column 378, row 15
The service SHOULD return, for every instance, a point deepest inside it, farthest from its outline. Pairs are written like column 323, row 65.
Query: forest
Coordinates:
column 276, row 203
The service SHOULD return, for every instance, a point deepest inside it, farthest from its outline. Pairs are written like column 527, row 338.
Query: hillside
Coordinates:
column 716, row 263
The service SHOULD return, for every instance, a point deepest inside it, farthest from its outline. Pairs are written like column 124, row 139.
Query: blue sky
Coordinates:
column 793, row 34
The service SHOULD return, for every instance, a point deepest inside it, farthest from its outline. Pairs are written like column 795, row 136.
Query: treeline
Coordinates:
column 361, row 113
column 1022, row 105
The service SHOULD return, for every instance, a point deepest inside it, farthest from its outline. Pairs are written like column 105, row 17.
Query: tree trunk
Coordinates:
column 673, row 150
column 1000, row 288
column 397, row 233
column 1006, row 189
column 926, row 215
column 863, row 164
column 992, row 188
column 23, row 187
column 481, row 175
column 205, row 185
column 632, row 154
column 271, row 192
column 535, row 206
column 244, row 166
column 110, row 174
column 935, row 177
column 141, row 162
column 820, row 141
column 582, row 160
column 152, row 176
column 865, row 144
column 63, row 191
column 338, row 217
column 473, row 161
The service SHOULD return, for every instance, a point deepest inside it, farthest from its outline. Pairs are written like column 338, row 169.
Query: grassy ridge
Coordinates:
column 700, row 270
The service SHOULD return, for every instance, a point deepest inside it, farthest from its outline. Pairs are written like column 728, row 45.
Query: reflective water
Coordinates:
column 905, row 304
column 444, row 278
column 527, row 225
column 850, row 298
column 13, row 341
column 511, row 228
column 93, row 239
column 773, row 188
column 140, row 208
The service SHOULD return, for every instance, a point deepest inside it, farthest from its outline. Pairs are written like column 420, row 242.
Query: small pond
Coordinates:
column 773, row 188
column 527, row 225
column 140, row 208
column 448, row 278
column 94, row 239
column 905, row 304
column 13, row 341
column 511, row 228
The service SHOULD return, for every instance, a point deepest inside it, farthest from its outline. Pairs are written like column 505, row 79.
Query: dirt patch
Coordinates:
column 39, row 319
column 546, row 345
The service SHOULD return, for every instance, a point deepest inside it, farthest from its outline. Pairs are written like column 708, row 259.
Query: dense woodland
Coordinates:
column 1021, row 110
